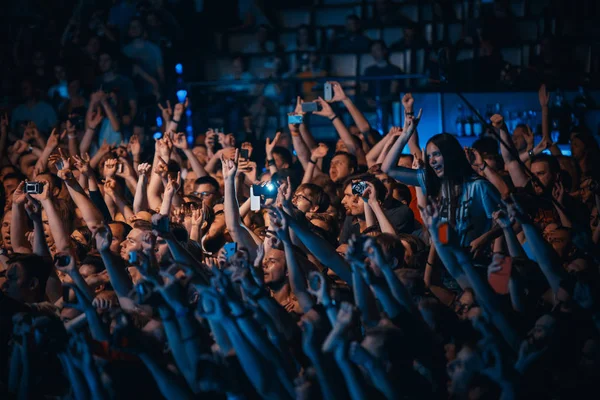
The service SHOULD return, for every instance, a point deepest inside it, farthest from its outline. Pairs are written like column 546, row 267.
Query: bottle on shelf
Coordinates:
column 469, row 126
column 477, row 127
column 460, row 122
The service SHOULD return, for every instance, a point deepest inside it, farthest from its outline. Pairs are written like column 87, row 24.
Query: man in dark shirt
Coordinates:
column 386, row 90
column 353, row 41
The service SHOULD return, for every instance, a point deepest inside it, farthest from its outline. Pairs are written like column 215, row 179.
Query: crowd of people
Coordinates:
column 187, row 270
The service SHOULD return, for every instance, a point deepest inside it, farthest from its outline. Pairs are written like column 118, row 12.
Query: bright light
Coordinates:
column 181, row 95
column 188, row 112
column 270, row 187
column 157, row 135
column 179, row 69
column 159, row 121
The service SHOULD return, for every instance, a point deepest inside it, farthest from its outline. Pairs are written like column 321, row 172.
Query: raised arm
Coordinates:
column 405, row 175
column 180, row 141
column 515, row 169
column 140, row 199
column 408, row 103
column 480, row 167
column 18, row 223
column 312, row 170
column 359, row 119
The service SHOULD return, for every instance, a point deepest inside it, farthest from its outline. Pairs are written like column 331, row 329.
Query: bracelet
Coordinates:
column 332, row 119
column 271, row 162
column 71, row 136
column 484, row 167
column 531, row 154
column 409, row 113
column 294, row 134
column 312, row 162
column 175, row 120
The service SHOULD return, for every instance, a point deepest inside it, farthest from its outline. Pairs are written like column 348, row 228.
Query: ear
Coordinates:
column 99, row 288
column 314, row 209
column 55, row 191
column 395, row 263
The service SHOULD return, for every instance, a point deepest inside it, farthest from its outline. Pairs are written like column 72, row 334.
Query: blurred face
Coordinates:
column 16, row 284
column 105, row 63
column 464, row 306
column 9, row 186
column 577, row 149
column 436, row 159
column 188, row 183
column 341, row 146
column 163, row 255
column 340, row 168
column 461, row 369
column 274, row 266
column 280, row 162
column 238, row 66
column 59, row 73
column 48, row 232
column 135, row 29
column 352, row 25
column 302, row 200
column 378, row 52
column 518, row 139
column 5, row 230
column 352, row 202
column 587, row 195
column 542, row 171
column 560, row 239
column 542, row 331
column 133, row 242
column 207, row 193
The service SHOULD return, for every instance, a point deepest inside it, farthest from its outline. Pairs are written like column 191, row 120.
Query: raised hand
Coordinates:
column 528, row 136
column 411, row 123
column 320, row 151
column 127, row 170
column 279, row 223
column 45, row 195
column 497, row 121
column 167, row 112
column 211, row 305
column 164, row 147
column 558, row 192
column 395, row 131
column 54, row 139
column 502, row 219
column 544, row 96
column 298, row 108
column 317, row 286
column 370, row 193
column 431, row 213
column 248, row 146
column 210, row 139
column 326, row 110
column 94, row 119
column 70, row 266
column 110, row 168
column 105, row 148
column 229, row 166
column 144, row 169
column 173, row 185
column 34, row 210
column 180, row 141
column 103, row 237
column 134, row 146
column 19, row 147
column 65, row 159
column 373, row 251
column 19, row 197
column 344, row 316
column 544, row 144
column 408, row 101
column 161, row 168
column 270, row 145
column 338, row 92
column 82, row 163
column 109, row 187
column 180, row 108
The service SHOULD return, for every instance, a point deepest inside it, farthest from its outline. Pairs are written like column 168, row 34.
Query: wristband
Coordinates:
column 409, row 113
column 175, row 120
column 311, row 161
column 71, row 136
column 484, row 167
column 531, row 154
column 333, row 119
column 271, row 162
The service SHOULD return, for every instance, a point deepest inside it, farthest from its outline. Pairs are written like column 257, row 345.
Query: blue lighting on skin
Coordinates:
column 157, row 135
column 181, row 95
column 179, row 69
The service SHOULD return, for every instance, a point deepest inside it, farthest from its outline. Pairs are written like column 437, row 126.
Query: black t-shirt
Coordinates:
column 400, row 216
column 385, row 86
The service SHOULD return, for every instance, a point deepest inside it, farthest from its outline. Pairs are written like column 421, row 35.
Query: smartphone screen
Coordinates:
column 230, row 249
column 244, row 154
column 499, row 280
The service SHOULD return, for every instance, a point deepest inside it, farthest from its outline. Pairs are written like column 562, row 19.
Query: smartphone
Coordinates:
column 34, row 187
column 244, row 154
column 314, row 282
column 295, row 119
column 254, row 200
column 119, row 168
column 327, row 91
column 59, row 164
column 268, row 190
column 62, row 260
column 230, row 249
column 442, row 231
column 133, row 257
column 499, row 280
column 311, row 107
column 358, row 188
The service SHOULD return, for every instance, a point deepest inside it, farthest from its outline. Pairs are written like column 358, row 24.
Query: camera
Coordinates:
column 311, row 107
column 358, row 188
column 295, row 119
column 62, row 260
column 119, row 168
column 34, row 187
column 267, row 190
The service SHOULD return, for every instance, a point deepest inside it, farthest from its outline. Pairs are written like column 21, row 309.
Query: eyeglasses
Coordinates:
column 203, row 194
column 301, row 196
